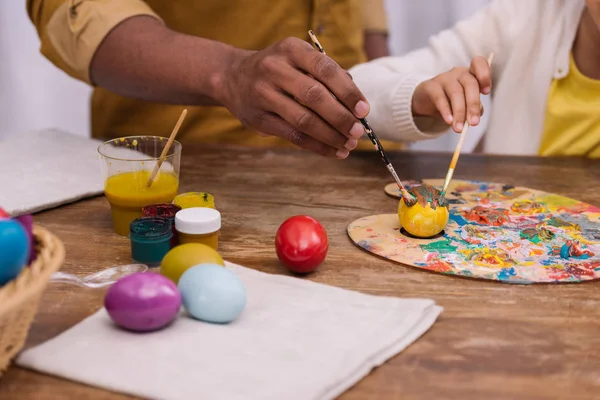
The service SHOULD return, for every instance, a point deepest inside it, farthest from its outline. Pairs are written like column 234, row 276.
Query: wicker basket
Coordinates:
column 19, row 298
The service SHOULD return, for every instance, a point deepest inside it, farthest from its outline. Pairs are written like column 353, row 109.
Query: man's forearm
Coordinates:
column 144, row 59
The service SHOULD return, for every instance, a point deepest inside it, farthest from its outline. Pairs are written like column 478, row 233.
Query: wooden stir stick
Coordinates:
column 167, row 147
column 459, row 145
column 369, row 131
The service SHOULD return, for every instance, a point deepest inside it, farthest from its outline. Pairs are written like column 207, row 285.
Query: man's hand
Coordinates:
column 287, row 90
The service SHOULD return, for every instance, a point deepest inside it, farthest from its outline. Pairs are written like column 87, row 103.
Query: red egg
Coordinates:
column 3, row 214
column 301, row 244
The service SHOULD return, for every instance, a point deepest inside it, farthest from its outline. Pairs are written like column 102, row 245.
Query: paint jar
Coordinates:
column 127, row 164
column 198, row 225
column 150, row 239
column 164, row 210
column 194, row 199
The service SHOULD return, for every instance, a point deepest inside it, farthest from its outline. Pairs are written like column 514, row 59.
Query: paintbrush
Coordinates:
column 369, row 131
column 456, row 154
column 167, row 147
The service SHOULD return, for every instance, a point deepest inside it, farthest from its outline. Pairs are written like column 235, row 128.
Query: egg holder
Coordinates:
column 20, row 298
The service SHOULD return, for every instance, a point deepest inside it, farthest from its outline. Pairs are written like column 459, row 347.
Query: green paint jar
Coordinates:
column 150, row 239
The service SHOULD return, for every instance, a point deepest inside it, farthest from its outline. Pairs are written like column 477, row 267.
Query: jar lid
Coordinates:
column 198, row 220
column 167, row 210
column 150, row 228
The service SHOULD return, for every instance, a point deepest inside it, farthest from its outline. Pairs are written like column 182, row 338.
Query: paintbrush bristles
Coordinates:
column 166, row 148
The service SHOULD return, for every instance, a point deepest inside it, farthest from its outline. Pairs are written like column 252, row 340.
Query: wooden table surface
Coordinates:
column 493, row 341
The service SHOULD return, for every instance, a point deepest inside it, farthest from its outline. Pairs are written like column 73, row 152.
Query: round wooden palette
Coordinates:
column 496, row 232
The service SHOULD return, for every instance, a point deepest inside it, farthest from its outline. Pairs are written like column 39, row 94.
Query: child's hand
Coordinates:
column 454, row 95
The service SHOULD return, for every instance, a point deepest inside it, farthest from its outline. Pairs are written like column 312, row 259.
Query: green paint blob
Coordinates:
column 531, row 235
column 441, row 246
column 536, row 235
column 562, row 223
column 424, row 194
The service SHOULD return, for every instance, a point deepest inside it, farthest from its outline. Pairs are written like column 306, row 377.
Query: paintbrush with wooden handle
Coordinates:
column 166, row 148
column 456, row 154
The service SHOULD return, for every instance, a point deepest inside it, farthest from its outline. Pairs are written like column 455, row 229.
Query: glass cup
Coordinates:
column 127, row 164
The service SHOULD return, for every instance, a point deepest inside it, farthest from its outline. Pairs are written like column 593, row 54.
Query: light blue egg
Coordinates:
column 14, row 249
column 212, row 293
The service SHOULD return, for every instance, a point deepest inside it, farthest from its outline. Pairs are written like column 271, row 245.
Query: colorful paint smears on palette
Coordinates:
column 496, row 232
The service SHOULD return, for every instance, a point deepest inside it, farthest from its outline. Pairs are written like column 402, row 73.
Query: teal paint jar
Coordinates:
column 150, row 239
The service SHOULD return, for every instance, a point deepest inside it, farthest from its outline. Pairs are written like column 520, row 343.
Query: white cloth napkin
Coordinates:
column 45, row 169
column 296, row 339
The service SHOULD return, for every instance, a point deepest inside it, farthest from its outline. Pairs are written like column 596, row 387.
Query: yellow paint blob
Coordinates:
column 181, row 258
column 422, row 222
column 128, row 192
column 195, row 199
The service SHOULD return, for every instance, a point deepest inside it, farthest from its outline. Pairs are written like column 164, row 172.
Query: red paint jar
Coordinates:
column 164, row 210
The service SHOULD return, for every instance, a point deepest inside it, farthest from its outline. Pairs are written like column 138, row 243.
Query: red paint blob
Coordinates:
column 487, row 216
column 164, row 210
column 301, row 244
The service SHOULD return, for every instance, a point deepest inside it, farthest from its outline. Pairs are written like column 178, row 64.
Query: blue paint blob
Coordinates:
column 458, row 219
column 547, row 262
column 506, row 273
column 564, row 251
column 365, row 245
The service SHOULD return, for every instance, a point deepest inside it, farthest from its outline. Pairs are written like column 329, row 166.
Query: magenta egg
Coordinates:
column 143, row 302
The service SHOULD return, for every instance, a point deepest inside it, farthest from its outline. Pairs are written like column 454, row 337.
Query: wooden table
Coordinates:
column 493, row 341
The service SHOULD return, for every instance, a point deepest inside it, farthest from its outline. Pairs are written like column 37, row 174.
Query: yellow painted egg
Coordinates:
column 426, row 217
column 183, row 257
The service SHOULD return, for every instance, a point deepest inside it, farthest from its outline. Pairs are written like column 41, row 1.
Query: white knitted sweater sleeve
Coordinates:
column 389, row 82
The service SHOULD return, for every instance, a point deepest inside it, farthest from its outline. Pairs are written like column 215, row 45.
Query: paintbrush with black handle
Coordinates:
column 370, row 133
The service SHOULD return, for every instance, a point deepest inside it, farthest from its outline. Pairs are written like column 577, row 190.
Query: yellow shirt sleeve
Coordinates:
column 71, row 30
column 375, row 16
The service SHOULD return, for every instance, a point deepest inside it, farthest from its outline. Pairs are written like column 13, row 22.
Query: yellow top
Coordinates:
column 71, row 30
column 572, row 126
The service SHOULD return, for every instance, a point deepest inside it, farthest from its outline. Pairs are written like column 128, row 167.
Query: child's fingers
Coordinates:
column 456, row 94
column 439, row 99
column 482, row 71
column 471, row 89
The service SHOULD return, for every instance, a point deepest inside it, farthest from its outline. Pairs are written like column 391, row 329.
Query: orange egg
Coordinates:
column 424, row 218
